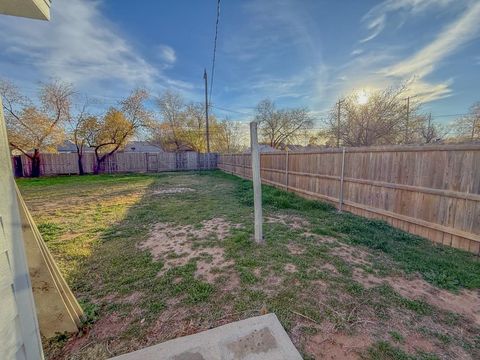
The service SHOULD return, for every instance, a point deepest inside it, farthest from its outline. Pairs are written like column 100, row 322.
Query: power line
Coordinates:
column 214, row 51
column 229, row 110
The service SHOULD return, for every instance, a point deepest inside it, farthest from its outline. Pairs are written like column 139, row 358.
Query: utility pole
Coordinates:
column 338, row 122
column 408, row 120
column 257, row 184
column 206, row 109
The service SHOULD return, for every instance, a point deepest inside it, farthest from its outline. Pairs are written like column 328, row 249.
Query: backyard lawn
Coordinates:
column 155, row 257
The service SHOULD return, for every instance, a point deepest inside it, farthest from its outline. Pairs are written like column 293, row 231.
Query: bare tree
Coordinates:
column 227, row 137
column 431, row 132
column 468, row 127
column 383, row 119
column 280, row 127
column 31, row 128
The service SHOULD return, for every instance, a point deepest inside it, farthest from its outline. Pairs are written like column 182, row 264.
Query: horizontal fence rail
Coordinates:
column 67, row 163
column 430, row 191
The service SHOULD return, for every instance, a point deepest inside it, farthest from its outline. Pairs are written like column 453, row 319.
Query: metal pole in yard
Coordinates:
column 340, row 196
column 257, row 184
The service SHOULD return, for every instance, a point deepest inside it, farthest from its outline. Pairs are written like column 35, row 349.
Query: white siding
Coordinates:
column 19, row 334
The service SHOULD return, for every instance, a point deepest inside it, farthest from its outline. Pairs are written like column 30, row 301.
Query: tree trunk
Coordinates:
column 35, row 163
column 99, row 163
column 80, row 164
column 96, row 168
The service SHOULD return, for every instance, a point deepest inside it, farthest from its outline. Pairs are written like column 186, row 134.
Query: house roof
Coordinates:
column 262, row 148
column 141, row 146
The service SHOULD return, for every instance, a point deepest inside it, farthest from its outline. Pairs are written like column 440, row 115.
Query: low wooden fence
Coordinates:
column 67, row 163
column 431, row 191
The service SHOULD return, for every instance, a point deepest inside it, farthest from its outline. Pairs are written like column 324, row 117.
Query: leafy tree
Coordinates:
column 84, row 129
column 280, row 127
column 112, row 132
column 33, row 128
column 107, row 135
column 170, row 132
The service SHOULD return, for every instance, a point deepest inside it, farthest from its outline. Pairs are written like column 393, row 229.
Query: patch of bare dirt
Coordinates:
column 295, row 222
column 110, row 326
column 295, row 249
column 466, row 302
column 133, row 298
column 92, row 345
column 174, row 245
column 332, row 346
column 351, row 254
column 174, row 190
column 414, row 343
column 330, row 268
column 290, row 268
column 321, row 239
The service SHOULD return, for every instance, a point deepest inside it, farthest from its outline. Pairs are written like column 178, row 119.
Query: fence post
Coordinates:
column 257, row 184
column 244, row 157
column 340, row 197
column 286, row 171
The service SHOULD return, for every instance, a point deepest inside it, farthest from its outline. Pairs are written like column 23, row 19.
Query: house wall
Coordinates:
column 19, row 332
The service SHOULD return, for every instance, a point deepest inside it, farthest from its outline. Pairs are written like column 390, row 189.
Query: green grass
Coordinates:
column 442, row 266
column 93, row 225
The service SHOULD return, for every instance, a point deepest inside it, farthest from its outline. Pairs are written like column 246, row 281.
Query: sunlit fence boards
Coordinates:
column 431, row 191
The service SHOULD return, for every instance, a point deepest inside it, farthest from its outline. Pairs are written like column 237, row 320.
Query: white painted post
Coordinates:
column 257, row 184
column 340, row 197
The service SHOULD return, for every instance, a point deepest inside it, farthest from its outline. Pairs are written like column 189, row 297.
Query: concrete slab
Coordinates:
column 261, row 337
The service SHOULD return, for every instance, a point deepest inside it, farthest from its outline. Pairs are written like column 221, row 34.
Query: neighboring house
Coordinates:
column 69, row 147
column 132, row 146
column 142, row 147
column 262, row 148
column 301, row 148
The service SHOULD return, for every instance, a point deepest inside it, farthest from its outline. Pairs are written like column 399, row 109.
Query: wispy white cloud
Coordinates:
column 82, row 46
column 167, row 54
column 452, row 38
column 377, row 18
column 448, row 41
column 388, row 66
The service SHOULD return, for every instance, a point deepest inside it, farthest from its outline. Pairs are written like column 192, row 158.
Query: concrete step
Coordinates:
column 261, row 337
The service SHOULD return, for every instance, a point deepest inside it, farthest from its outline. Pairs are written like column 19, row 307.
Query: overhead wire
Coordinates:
column 214, row 52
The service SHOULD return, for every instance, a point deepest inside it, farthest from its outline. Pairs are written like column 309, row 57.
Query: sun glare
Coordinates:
column 362, row 98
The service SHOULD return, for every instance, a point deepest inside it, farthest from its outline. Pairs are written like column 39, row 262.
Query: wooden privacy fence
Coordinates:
column 431, row 191
column 67, row 163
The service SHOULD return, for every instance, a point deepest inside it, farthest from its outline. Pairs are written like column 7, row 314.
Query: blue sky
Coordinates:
column 298, row 53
